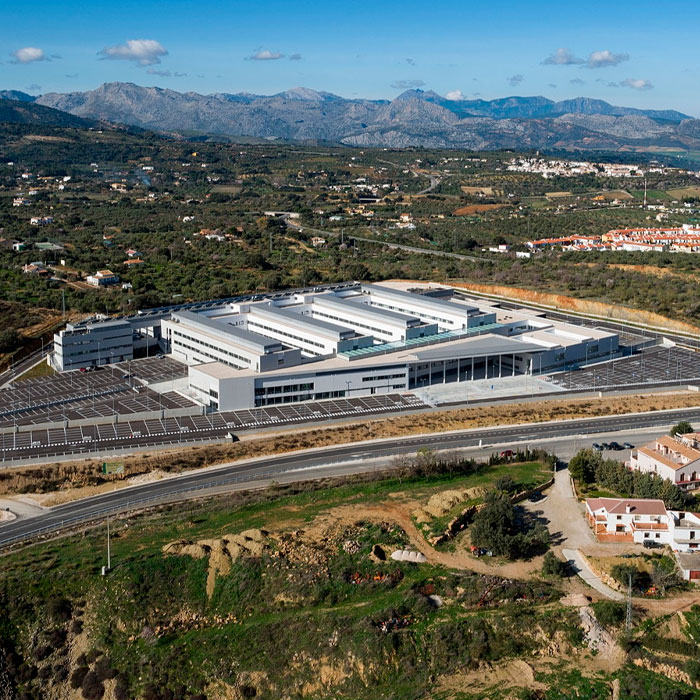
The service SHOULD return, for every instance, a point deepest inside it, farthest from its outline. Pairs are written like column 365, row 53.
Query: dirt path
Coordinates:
column 400, row 514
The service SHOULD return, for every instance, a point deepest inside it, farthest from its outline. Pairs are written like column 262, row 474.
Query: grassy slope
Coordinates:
column 282, row 626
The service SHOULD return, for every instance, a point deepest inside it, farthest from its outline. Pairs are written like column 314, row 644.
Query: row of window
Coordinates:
column 383, row 377
column 200, row 343
column 291, row 398
column 102, row 351
column 253, row 325
column 284, row 389
column 353, row 323
column 405, row 310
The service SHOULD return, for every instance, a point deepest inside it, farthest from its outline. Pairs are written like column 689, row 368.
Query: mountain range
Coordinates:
column 414, row 118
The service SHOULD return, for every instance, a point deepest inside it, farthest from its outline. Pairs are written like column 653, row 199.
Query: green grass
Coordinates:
column 652, row 195
column 43, row 369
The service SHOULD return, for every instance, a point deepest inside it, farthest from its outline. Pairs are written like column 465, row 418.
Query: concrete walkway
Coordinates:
column 577, row 561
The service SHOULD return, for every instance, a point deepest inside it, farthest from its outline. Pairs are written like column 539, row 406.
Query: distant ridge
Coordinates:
column 414, row 118
column 15, row 111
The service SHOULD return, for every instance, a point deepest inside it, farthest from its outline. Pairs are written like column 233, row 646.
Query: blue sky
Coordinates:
column 641, row 53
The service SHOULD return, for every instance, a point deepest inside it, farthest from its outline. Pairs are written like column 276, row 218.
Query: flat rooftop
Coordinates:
column 254, row 342
column 310, row 325
column 419, row 300
column 217, row 370
column 360, row 306
column 476, row 346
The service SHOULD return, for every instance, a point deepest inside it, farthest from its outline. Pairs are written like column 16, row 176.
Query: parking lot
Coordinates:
column 152, row 370
column 174, row 430
column 655, row 365
column 112, row 389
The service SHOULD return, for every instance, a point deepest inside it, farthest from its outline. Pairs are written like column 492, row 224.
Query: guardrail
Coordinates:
column 129, row 505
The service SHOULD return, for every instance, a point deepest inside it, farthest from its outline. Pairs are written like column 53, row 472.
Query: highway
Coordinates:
column 327, row 459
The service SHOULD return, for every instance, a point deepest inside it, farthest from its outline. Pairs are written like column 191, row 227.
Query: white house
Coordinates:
column 674, row 458
column 102, row 278
column 643, row 520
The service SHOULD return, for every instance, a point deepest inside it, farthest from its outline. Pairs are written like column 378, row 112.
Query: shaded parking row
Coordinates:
column 655, row 365
column 43, row 442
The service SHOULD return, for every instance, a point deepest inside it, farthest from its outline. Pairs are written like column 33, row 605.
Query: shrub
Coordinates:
column 609, row 613
column 77, row 677
column 41, row 652
column 552, row 565
column 92, row 686
column 60, row 608
column 624, row 573
column 693, row 670
column 104, row 670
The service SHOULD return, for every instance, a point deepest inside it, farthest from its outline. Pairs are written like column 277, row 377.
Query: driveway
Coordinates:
column 564, row 515
column 579, row 565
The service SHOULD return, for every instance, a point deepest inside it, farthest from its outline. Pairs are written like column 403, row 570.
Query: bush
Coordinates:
column 552, row 565
column 60, row 608
column 624, row 573
column 609, row 613
column 92, row 687
column 104, row 670
column 692, row 668
column 77, row 677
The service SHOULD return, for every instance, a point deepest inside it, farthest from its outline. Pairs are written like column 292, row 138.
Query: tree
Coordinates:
column 622, row 573
column 494, row 524
column 681, row 428
column 9, row 339
column 583, row 465
column 552, row 565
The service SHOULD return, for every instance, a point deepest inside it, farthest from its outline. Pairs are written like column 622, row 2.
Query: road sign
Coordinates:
column 112, row 467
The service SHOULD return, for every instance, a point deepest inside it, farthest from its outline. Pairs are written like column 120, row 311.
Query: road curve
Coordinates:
column 277, row 465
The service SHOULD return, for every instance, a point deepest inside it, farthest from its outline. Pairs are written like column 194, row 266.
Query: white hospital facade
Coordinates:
column 348, row 341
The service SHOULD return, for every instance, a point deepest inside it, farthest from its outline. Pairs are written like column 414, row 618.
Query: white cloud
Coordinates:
column 515, row 80
column 603, row 59
column 265, row 55
column 407, row 84
column 165, row 73
column 454, row 95
column 145, row 52
column 562, row 57
column 636, row 84
column 29, row 54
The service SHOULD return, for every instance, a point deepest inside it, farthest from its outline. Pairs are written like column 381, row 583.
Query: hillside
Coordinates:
column 414, row 119
column 292, row 592
column 17, row 111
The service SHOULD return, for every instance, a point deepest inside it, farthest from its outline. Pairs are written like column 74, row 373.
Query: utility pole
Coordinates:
column 645, row 191
column 108, row 568
column 63, row 303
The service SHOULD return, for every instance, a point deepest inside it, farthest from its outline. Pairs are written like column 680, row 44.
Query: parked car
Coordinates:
column 615, row 446
column 651, row 544
column 605, row 446
column 628, row 445
column 507, row 454
column 597, row 447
